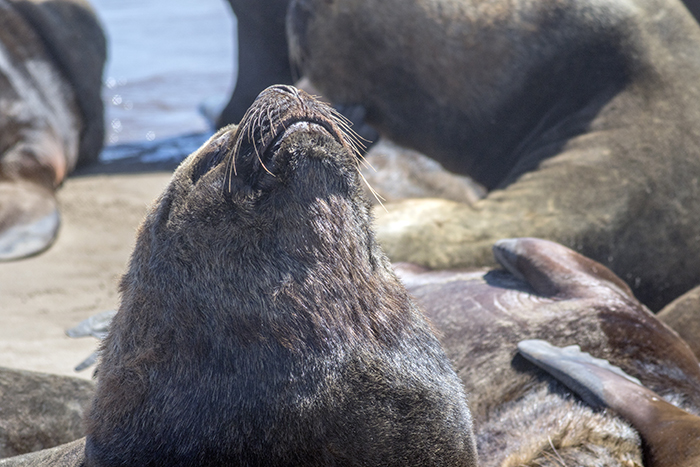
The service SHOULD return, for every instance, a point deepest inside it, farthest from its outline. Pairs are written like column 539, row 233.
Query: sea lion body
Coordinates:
column 263, row 58
column 580, row 117
column 670, row 434
column 40, row 410
column 51, row 60
column 521, row 416
column 260, row 324
column 683, row 316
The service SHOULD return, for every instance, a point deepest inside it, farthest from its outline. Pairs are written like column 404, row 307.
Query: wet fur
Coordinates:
column 260, row 323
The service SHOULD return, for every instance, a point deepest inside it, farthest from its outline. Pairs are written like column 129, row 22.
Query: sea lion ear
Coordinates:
column 552, row 269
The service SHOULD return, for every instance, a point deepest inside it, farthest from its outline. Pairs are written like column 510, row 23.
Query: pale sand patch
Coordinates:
column 77, row 277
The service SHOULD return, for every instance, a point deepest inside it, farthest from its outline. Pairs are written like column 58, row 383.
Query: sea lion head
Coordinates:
column 261, row 324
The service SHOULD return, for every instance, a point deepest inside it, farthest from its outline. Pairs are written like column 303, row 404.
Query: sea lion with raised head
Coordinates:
column 581, row 118
column 522, row 417
column 260, row 323
column 51, row 59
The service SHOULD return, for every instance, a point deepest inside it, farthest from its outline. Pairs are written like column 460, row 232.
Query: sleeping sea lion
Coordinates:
column 51, row 59
column 671, row 435
column 260, row 323
column 581, row 118
column 521, row 415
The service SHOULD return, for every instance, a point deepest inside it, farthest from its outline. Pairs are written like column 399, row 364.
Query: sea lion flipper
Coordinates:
column 29, row 220
column 576, row 369
column 670, row 434
column 555, row 270
column 96, row 325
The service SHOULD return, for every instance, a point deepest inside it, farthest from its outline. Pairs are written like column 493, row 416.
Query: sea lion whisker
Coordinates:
column 363, row 160
column 554, row 450
column 355, row 140
column 376, row 195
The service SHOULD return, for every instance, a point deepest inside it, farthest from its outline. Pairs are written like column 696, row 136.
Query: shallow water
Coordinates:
column 166, row 59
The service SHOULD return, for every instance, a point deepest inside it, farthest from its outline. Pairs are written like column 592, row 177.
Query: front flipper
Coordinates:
column 671, row 435
column 555, row 270
column 29, row 219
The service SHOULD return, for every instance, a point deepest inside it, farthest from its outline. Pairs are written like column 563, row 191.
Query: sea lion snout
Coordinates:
column 282, row 122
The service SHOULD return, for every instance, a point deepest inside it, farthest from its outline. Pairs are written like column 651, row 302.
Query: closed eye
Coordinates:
column 209, row 159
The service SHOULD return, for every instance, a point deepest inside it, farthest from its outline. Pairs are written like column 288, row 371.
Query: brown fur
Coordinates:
column 670, row 435
column 521, row 415
column 683, row 316
column 260, row 323
column 50, row 113
column 580, row 117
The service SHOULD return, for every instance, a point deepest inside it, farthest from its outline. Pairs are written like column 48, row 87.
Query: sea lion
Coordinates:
column 40, row 410
column 263, row 59
column 260, row 323
column 671, row 435
column 547, row 291
column 683, row 316
column 51, row 60
column 580, row 117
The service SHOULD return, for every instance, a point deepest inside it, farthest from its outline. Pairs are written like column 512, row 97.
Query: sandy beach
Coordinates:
column 164, row 60
column 78, row 276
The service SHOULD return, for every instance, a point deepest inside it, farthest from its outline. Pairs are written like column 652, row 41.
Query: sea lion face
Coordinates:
column 287, row 141
column 282, row 177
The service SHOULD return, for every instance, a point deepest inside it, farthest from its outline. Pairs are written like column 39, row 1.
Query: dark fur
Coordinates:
column 580, row 116
column 263, row 59
column 260, row 323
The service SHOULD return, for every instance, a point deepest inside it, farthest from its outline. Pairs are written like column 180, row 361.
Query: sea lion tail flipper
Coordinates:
column 553, row 269
column 95, row 326
column 670, row 434
column 29, row 219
